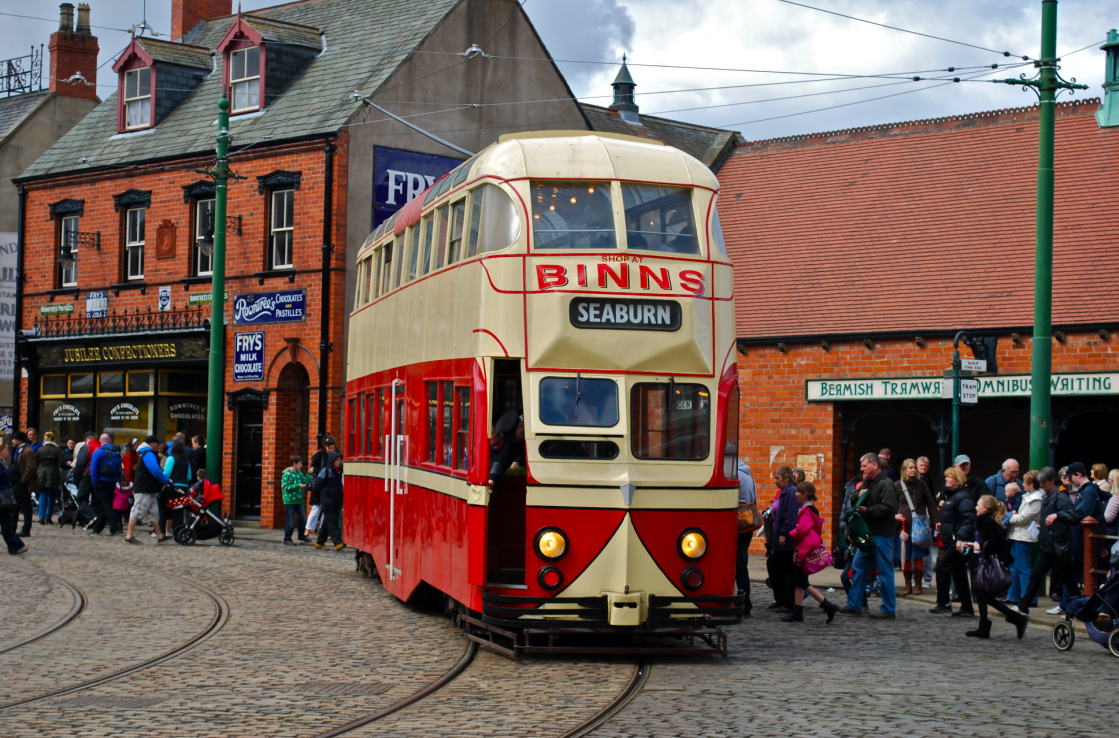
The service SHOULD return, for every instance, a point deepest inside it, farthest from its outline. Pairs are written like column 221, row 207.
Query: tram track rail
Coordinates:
column 221, row 616
column 78, row 608
column 640, row 676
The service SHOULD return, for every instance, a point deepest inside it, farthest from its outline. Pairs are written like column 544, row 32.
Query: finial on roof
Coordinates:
column 1108, row 114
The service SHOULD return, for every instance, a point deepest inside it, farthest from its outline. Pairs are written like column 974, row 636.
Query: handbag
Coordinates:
column 8, row 498
column 817, row 560
column 858, row 532
column 992, row 578
column 749, row 517
column 921, row 535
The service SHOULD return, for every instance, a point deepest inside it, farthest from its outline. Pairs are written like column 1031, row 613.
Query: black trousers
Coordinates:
column 103, row 503
column 1061, row 567
column 999, row 605
column 23, row 499
column 951, row 568
column 331, row 525
column 87, row 500
column 782, row 576
column 741, row 569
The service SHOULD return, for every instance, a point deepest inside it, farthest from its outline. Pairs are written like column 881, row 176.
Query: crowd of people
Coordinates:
column 103, row 486
column 891, row 519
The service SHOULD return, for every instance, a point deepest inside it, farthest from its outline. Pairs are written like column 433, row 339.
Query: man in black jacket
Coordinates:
column 878, row 509
column 1054, row 542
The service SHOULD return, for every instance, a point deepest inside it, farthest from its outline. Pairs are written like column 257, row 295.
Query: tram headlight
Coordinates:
column 693, row 544
column 551, row 544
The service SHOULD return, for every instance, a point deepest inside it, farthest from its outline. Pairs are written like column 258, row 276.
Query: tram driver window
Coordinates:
column 579, row 401
column 572, row 215
column 659, row 219
column 671, row 421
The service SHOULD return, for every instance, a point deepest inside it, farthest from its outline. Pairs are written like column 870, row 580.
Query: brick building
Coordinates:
column 860, row 254
column 32, row 117
column 116, row 221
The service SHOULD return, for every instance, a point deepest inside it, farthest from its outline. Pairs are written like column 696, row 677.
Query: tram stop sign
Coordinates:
column 969, row 391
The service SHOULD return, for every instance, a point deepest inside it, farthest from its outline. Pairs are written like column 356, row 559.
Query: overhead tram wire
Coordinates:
column 732, row 126
column 904, row 30
column 55, row 20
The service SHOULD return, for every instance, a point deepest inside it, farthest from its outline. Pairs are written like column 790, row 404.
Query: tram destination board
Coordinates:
column 623, row 314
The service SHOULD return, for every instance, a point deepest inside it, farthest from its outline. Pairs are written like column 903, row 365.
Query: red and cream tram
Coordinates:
column 579, row 281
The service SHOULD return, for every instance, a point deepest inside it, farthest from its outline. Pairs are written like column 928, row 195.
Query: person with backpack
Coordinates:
column 877, row 505
column 329, row 487
column 105, row 468
column 148, row 480
column 807, row 535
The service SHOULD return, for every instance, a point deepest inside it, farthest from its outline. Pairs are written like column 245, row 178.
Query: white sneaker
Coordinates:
column 1014, row 608
column 1054, row 610
column 153, row 535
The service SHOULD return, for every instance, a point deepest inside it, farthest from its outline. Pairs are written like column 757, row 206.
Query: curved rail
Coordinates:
column 80, row 603
column 467, row 659
column 640, row 674
column 221, row 615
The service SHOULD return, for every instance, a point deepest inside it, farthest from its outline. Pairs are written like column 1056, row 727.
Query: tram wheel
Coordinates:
column 1063, row 636
column 1113, row 642
column 227, row 536
column 186, row 536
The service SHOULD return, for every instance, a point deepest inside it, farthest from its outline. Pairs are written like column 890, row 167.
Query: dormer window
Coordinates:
column 244, row 79
column 138, row 98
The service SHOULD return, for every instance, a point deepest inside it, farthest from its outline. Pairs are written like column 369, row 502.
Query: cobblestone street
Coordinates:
column 309, row 645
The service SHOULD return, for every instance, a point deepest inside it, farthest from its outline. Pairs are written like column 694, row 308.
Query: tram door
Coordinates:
column 396, row 445
column 505, row 555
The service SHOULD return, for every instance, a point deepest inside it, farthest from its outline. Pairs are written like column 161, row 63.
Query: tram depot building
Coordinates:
column 860, row 254
column 116, row 218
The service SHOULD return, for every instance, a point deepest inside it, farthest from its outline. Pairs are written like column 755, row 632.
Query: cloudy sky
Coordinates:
column 789, row 69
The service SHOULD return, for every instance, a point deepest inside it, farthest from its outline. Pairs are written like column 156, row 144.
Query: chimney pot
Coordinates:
column 66, row 17
column 83, row 19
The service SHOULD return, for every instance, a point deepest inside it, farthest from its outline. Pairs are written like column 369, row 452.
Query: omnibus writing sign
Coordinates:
column 620, row 314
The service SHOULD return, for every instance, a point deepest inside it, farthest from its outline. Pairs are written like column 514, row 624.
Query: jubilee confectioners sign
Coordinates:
column 934, row 388
column 112, row 352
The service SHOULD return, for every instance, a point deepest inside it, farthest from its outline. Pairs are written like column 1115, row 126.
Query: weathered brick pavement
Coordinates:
column 310, row 646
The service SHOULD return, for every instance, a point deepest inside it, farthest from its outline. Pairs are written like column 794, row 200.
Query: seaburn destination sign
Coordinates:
column 931, row 388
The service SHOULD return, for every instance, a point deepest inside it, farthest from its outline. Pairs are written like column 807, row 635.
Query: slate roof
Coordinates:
column 14, row 109
column 185, row 55
column 695, row 140
column 367, row 40
column 271, row 29
column 922, row 226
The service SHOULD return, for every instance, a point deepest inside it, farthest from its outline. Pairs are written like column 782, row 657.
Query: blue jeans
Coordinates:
column 48, row 499
column 882, row 558
column 1019, row 570
column 297, row 519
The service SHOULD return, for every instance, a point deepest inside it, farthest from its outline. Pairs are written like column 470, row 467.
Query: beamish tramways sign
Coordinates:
column 931, row 388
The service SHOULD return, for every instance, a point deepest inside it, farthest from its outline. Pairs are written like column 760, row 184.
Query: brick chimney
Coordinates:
column 73, row 55
column 186, row 14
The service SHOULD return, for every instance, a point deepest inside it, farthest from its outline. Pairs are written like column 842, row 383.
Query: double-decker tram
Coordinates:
column 561, row 301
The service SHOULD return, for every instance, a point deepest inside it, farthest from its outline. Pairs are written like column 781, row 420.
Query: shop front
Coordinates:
column 129, row 385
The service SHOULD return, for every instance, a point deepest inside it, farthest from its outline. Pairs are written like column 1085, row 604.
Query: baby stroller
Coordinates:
column 200, row 520
column 1099, row 613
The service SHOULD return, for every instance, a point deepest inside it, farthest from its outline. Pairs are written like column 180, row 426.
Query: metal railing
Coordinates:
column 22, row 74
column 136, row 321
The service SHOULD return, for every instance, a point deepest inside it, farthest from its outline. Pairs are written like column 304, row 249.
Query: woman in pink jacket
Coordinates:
column 807, row 536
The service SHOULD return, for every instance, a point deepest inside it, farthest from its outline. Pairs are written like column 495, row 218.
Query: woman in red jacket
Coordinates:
column 807, row 535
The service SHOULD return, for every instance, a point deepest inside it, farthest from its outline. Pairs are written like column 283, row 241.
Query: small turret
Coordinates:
column 1108, row 114
column 623, row 95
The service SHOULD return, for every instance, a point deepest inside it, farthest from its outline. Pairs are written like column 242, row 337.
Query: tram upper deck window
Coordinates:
column 579, row 402
column 671, row 421
column 659, row 219
column 717, row 232
column 572, row 215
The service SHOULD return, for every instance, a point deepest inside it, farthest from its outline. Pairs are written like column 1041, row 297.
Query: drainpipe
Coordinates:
column 325, row 345
column 21, row 248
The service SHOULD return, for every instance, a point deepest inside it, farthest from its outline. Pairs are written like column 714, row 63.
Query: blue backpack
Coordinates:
column 111, row 462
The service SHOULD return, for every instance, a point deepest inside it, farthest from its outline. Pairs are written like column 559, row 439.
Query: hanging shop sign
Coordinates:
column 398, row 176
column 932, row 388
column 57, row 308
column 287, row 306
column 248, row 357
column 97, row 304
column 159, row 350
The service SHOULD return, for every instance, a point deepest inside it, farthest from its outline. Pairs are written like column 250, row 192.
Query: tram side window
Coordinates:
column 659, row 219
column 442, row 218
column 402, row 249
column 413, row 263
column 447, row 441
column 352, row 428
column 671, row 421
column 386, row 270
column 572, row 215
column 500, row 219
column 432, row 422
column 458, row 215
column 358, row 298
column 462, row 427
column 367, row 279
column 428, row 235
column 578, row 401
column 476, row 197
column 372, row 292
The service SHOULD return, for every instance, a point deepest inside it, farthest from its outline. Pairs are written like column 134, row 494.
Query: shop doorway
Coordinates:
column 908, row 431
column 250, row 446
column 1085, row 435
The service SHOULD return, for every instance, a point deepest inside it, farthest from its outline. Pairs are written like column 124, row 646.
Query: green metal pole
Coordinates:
column 215, row 415
column 1043, row 251
column 955, row 404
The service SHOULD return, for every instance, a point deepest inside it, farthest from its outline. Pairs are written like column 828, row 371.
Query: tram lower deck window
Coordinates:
column 671, row 421
column 579, row 402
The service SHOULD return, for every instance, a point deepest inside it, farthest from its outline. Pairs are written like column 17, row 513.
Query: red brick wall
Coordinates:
column 186, row 14
column 777, row 424
column 245, row 255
